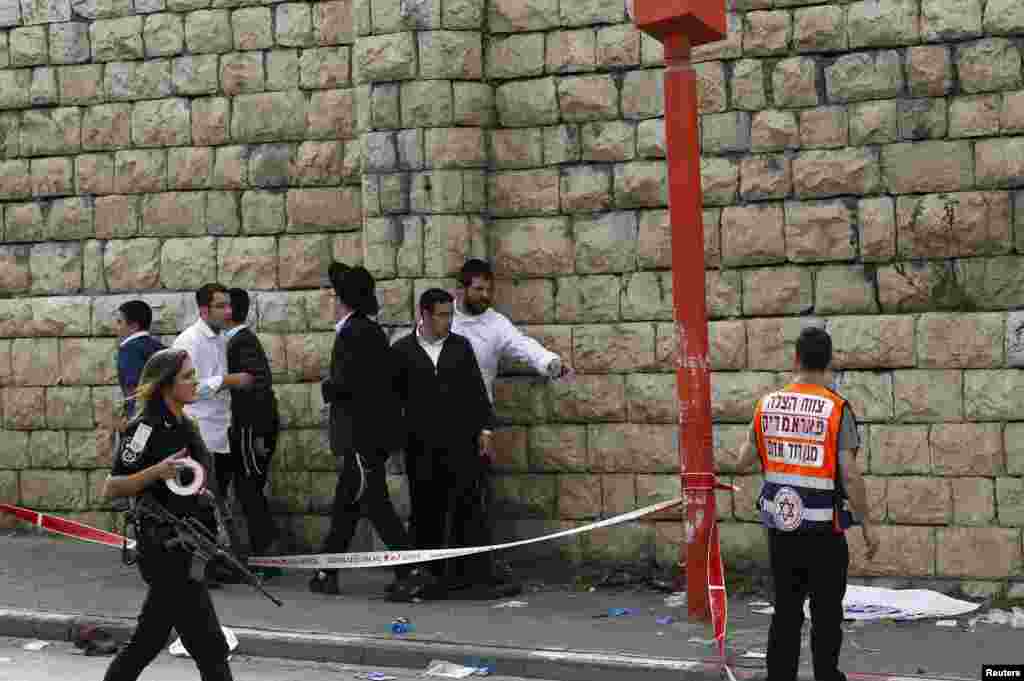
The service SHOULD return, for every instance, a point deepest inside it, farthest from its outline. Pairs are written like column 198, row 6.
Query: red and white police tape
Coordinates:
column 68, row 528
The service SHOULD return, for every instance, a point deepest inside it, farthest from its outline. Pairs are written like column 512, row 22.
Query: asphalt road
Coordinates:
column 63, row 662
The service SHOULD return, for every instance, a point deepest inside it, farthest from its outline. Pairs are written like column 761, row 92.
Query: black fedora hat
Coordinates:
column 355, row 287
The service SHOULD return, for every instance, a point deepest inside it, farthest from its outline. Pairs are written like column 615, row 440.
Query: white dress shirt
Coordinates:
column 208, row 352
column 431, row 347
column 493, row 336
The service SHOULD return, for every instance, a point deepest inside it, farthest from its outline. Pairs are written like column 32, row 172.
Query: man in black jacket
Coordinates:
column 252, row 436
column 449, row 419
column 364, row 429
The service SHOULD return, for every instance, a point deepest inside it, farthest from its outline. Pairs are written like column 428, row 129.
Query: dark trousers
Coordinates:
column 374, row 505
column 805, row 565
column 249, row 483
column 449, row 510
column 173, row 600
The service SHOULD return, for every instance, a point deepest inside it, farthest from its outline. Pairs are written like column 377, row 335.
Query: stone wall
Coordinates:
column 862, row 165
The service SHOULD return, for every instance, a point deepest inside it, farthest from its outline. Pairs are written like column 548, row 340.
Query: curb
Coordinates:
column 381, row 651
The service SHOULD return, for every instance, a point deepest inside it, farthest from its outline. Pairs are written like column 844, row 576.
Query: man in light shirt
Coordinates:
column 207, row 348
column 491, row 333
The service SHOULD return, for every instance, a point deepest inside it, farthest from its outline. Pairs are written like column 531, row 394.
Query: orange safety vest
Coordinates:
column 797, row 431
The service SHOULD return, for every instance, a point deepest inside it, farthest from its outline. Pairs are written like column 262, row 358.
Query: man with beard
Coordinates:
column 449, row 420
column 494, row 337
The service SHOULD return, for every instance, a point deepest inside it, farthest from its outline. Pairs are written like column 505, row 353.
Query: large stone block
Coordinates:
column 140, row 171
column 331, row 115
column 726, row 132
column 973, row 501
column 994, row 395
column 527, row 102
column 116, row 216
column 326, row 67
column 1010, row 501
column 210, row 123
column 991, row 283
column 248, row 262
column 55, row 490
column 56, row 267
column 242, row 72
column 14, row 275
column 794, row 83
column 606, row 244
column 919, row 501
column 647, row 296
column 537, row 247
column 877, row 228
column 21, row 408
column 208, row 31
column 950, row 20
column 928, row 396
column 587, row 299
column 132, row 264
column 571, row 51
column 819, row 231
column 975, row 116
column 720, row 179
column 766, row 33
column 189, row 167
column 14, row 88
column 772, row 342
column 824, row 127
column 632, row 448
column 585, row 189
column 734, row 394
column 586, row 98
column 187, row 264
column 641, row 185
column 845, row 289
column 967, row 449
column 516, row 56
column 528, row 192
column 998, row 162
column 753, row 234
column 269, row 165
column 862, row 76
column 618, row 348
column 385, row 58
column 174, row 214
column 748, row 85
column 52, row 177
column 977, row 552
column 898, row 450
column 833, row 172
column 51, row 131
column 134, row 80
column 990, row 65
column 88, row 361
column 608, row 141
column 69, row 408
column 117, row 39
column 35, row 362
column 966, row 223
column 949, row 166
column 268, row 117
column 94, row 174
column 161, row 123
column 450, row 54
column 883, row 24
column 777, row 291
column 903, row 552
column 589, row 399
column 464, row 148
column 513, row 16
column 69, row 43
column 643, row 94
column 727, row 345
column 333, row 23
column 323, row 209
column 722, row 293
column 960, row 341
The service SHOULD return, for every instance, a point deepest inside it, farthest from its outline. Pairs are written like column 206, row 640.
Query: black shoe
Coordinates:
column 417, row 584
column 324, row 583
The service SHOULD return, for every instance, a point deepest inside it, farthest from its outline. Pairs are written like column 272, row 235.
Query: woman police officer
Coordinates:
column 159, row 436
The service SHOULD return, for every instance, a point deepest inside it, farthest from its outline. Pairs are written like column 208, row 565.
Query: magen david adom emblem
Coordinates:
column 789, row 509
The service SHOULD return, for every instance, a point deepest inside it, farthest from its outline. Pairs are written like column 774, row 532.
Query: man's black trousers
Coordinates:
column 448, row 494
column 805, row 565
column 249, row 483
column 173, row 600
column 375, row 505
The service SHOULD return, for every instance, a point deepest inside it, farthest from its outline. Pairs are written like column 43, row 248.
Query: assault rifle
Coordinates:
column 198, row 540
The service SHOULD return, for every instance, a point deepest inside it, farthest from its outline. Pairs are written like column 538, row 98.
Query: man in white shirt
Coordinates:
column 207, row 348
column 491, row 334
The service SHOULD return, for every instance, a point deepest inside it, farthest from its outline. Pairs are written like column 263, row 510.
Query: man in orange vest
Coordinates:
column 805, row 436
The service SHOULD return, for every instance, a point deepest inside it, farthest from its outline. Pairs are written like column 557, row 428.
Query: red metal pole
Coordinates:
column 693, row 376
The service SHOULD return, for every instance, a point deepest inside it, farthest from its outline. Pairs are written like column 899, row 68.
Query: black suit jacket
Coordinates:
column 364, row 411
column 446, row 407
column 255, row 406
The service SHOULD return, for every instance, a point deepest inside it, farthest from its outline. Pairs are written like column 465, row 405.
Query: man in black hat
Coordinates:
column 364, row 429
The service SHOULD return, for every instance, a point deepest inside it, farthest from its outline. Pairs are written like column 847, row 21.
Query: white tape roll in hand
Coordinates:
column 198, row 482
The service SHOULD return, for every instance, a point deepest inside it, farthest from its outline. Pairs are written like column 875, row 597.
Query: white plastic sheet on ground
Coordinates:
column 177, row 648
column 873, row 603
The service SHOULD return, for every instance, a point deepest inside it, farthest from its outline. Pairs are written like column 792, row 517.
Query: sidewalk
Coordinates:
column 48, row 586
